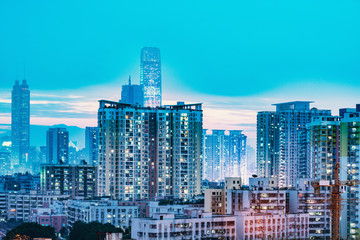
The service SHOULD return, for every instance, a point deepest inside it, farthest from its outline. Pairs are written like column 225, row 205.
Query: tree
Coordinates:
column 30, row 231
column 90, row 231
column 63, row 232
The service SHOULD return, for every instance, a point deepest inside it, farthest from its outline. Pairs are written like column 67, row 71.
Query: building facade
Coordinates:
column 192, row 225
column 20, row 126
column 150, row 76
column 275, row 226
column 282, row 141
column 19, row 205
column 267, row 141
column 324, row 147
column 349, row 170
column 106, row 211
column 92, row 145
column 224, row 154
column 53, row 216
column 147, row 152
column 304, row 199
column 57, row 146
column 132, row 94
column 72, row 180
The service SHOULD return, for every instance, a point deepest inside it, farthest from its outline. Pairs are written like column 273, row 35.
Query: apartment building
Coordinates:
column 103, row 211
column 149, row 152
column 192, row 225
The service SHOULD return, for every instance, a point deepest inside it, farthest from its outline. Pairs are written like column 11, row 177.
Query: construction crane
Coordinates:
column 335, row 200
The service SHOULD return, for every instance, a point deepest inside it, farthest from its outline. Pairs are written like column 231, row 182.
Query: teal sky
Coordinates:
column 235, row 55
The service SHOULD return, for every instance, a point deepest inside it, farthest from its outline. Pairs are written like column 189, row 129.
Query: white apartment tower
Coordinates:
column 224, row 154
column 282, row 141
column 149, row 152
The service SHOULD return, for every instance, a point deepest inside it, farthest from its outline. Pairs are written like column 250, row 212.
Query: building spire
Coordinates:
column 129, row 80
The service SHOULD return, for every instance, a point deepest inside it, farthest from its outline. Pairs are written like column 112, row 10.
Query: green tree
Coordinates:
column 30, row 231
column 90, row 231
column 64, row 232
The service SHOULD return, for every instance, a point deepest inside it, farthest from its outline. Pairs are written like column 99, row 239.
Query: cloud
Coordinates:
column 5, row 100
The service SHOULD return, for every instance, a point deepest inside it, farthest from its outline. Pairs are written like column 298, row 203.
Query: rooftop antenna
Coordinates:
column 24, row 80
column 129, row 80
column 17, row 72
column 24, row 70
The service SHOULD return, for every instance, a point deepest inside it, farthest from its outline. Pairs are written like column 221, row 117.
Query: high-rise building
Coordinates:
column 349, row 170
column 215, row 153
column 132, row 94
column 267, row 154
column 150, row 76
column 74, row 180
column 149, row 152
column 20, row 126
column 337, row 140
column 224, row 154
column 42, row 155
column 33, row 164
column 57, row 146
column 282, row 144
column 5, row 156
column 324, row 146
column 250, row 164
column 235, row 166
column 92, row 145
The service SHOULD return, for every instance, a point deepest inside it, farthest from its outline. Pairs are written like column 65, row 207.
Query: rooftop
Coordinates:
column 178, row 106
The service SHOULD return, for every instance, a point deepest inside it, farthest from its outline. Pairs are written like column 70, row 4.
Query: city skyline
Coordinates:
column 180, row 120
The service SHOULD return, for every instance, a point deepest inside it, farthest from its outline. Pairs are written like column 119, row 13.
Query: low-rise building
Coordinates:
column 215, row 201
column 48, row 217
column 315, row 203
column 192, row 225
column 103, row 211
column 251, row 225
column 19, row 205
column 264, row 198
column 233, row 182
column 155, row 208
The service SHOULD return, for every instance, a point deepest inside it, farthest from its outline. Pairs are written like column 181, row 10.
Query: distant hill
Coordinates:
column 38, row 134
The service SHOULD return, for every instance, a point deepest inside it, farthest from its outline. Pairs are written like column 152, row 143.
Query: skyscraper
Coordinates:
column 149, row 152
column 20, row 125
column 57, row 146
column 267, row 140
column 324, row 140
column 350, row 170
column 215, row 153
column 236, row 163
column 337, row 140
column 294, row 117
column 91, row 145
column 224, row 154
column 132, row 94
column 282, row 149
column 150, row 76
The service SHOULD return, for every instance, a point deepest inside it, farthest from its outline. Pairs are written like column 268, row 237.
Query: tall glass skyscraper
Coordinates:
column 150, row 76
column 20, row 125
